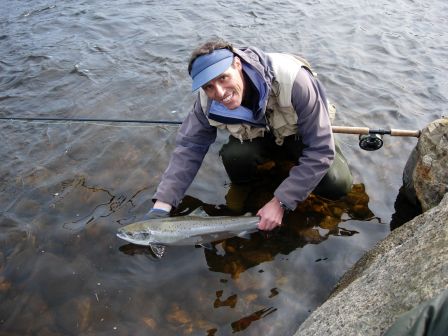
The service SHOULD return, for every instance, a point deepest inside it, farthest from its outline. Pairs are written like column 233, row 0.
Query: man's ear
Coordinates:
column 237, row 63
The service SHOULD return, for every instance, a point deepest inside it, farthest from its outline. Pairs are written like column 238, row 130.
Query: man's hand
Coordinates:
column 155, row 213
column 160, row 210
column 271, row 215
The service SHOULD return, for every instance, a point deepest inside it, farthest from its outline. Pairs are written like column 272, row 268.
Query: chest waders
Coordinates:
column 250, row 161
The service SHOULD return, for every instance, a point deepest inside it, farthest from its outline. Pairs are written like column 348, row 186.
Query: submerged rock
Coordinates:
column 405, row 269
column 425, row 177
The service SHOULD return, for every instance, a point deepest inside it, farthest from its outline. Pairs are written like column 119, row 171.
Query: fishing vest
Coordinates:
column 281, row 118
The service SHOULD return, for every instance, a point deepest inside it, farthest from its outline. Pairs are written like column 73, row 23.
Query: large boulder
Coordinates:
column 405, row 269
column 425, row 177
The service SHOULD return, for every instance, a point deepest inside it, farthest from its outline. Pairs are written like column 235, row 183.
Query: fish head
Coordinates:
column 135, row 237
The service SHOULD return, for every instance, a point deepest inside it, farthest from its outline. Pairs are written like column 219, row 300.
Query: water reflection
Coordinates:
column 60, row 258
column 245, row 322
column 312, row 222
column 131, row 250
column 105, row 203
column 228, row 302
column 247, row 299
column 405, row 210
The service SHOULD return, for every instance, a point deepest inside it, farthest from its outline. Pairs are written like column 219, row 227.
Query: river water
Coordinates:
column 66, row 187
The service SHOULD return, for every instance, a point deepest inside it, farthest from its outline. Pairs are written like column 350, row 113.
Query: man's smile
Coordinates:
column 228, row 98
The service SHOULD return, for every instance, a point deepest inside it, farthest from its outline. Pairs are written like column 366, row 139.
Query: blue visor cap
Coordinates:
column 209, row 66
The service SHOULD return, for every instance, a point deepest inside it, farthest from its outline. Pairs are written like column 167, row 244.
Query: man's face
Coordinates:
column 228, row 87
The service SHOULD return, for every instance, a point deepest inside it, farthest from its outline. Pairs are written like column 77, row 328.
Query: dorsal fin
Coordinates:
column 198, row 212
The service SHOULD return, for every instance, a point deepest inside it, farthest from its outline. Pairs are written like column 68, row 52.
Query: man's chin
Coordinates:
column 232, row 106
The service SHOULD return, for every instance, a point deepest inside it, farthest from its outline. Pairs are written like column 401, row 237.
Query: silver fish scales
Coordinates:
column 186, row 230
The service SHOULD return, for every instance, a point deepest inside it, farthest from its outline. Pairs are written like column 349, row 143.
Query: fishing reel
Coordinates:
column 371, row 141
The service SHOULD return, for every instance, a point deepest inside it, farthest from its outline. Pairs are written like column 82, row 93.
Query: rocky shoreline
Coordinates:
column 409, row 266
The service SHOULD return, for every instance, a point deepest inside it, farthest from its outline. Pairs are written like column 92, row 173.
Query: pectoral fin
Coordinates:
column 158, row 250
column 208, row 246
column 245, row 234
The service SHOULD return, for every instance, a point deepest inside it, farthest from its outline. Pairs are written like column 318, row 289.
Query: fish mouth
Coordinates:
column 138, row 239
column 122, row 235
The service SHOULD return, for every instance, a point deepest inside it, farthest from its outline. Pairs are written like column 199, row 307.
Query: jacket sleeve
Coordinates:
column 192, row 143
column 314, row 127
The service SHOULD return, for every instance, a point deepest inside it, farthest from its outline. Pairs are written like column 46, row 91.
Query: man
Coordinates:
column 273, row 106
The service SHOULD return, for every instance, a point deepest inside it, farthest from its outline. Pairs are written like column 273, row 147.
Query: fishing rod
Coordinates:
column 369, row 139
column 138, row 121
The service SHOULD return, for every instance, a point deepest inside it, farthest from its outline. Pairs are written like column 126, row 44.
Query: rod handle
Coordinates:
column 366, row 130
column 405, row 133
column 350, row 130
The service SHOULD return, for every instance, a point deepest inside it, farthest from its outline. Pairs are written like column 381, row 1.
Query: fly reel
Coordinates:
column 370, row 142
column 372, row 139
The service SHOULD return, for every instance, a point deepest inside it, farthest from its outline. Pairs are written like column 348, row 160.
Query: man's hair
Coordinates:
column 208, row 48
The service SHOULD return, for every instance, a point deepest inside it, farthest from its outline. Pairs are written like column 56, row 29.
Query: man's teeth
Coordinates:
column 227, row 99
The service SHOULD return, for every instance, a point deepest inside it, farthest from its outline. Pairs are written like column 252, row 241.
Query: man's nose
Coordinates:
column 219, row 90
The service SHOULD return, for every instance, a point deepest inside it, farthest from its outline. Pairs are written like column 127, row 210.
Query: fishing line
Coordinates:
column 92, row 121
column 134, row 121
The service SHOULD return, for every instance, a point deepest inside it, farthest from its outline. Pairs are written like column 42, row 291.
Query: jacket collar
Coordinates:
column 256, row 68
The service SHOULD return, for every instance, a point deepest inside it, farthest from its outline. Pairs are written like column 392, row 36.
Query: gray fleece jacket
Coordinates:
column 196, row 135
